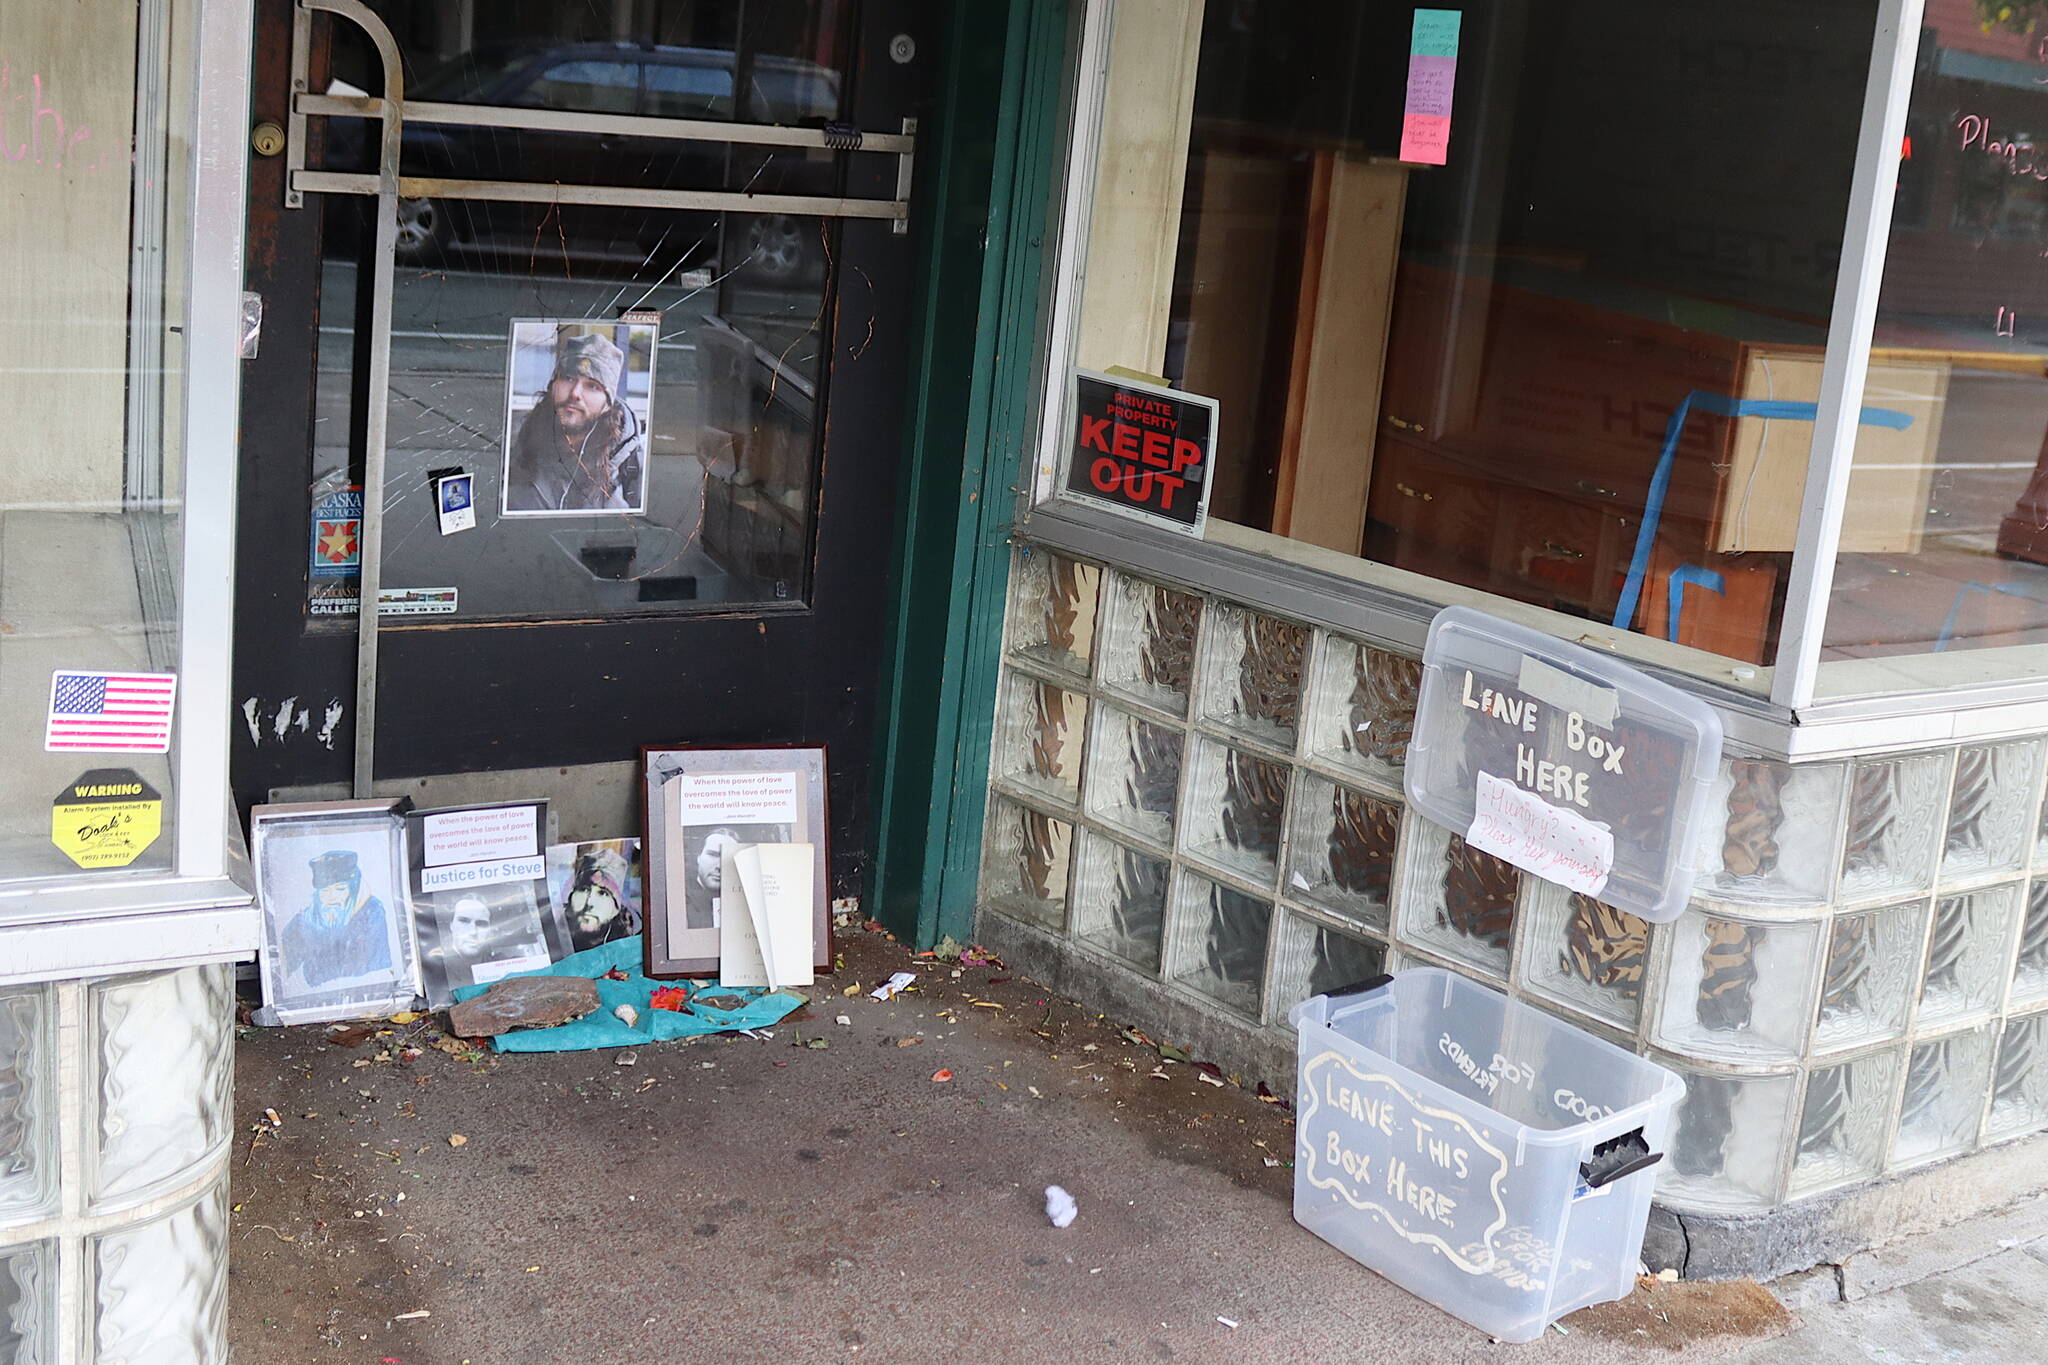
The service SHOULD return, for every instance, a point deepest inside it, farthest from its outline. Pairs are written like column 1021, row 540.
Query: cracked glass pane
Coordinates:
column 595, row 409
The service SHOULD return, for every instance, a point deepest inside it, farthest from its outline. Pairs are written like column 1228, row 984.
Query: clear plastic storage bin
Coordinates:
column 1479, row 1153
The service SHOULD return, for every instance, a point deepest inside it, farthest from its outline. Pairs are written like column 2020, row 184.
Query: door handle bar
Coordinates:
column 395, row 110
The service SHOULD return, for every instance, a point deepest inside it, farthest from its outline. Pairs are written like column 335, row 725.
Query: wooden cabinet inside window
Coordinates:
column 1570, row 415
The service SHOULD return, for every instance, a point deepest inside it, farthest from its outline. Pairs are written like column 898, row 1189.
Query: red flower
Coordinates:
column 669, row 998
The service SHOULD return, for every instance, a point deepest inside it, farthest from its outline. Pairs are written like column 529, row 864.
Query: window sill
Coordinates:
column 1866, row 705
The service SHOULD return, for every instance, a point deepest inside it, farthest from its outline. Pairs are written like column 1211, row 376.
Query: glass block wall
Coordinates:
column 115, row 1122
column 1210, row 797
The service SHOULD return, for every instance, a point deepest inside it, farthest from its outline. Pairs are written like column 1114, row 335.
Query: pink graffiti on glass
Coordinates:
column 2018, row 154
column 31, row 129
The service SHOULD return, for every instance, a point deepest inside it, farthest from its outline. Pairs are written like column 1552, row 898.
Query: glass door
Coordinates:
column 644, row 327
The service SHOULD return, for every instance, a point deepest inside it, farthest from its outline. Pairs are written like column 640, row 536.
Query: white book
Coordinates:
column 764, row 926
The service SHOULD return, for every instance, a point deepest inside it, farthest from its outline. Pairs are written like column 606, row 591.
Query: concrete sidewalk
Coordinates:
column 1977, row 1291
column 741, row 1200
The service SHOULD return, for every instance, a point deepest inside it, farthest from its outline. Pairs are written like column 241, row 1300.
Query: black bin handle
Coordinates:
column 1365, row 987
column 1617, row 1159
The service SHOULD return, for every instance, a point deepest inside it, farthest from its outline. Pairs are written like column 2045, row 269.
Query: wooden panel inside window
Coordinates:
column 1134, row 224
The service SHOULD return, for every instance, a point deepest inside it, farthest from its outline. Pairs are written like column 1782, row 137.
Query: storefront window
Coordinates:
column 1528, row 299
column 94, row 166
column 1962, row 329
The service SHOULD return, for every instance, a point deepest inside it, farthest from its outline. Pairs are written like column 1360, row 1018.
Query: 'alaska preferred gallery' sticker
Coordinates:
column 337, row 553
column 111, row 713
column 106, row 818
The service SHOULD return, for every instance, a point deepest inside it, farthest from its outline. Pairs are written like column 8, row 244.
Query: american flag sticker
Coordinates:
column 113, row 713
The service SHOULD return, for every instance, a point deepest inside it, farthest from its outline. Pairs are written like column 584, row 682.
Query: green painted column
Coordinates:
column 984, row 215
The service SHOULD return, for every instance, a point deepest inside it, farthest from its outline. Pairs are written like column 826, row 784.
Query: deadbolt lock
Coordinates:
column 267, row 138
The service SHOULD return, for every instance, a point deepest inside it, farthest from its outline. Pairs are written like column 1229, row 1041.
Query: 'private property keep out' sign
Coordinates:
column 1141, row 449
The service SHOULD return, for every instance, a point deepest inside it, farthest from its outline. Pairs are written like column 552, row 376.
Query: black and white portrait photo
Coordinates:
column 579, row 397
column 478, row 934
column 706, row 847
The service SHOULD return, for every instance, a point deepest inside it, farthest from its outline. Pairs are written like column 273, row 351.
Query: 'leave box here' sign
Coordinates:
column 1571, row 765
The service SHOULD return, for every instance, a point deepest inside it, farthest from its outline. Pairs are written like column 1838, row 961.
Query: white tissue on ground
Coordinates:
column 1059, row 1206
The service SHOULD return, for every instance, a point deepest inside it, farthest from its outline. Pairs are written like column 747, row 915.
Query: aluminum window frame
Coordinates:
column 1804, row 708
column 198, row 909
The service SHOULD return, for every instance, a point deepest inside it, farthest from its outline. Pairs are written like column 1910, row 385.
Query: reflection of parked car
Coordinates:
column 613, row 78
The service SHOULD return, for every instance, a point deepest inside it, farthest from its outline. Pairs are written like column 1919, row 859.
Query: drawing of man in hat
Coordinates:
column 342, row 933
column 581, row 448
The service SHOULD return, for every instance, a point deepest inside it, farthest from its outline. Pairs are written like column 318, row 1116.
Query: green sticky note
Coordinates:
column 1436, row 33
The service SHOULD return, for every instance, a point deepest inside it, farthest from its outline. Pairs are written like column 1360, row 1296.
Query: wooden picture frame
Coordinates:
column 699, row 798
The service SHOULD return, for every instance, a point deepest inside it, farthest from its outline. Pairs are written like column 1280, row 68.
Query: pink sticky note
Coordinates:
column 1426, row 138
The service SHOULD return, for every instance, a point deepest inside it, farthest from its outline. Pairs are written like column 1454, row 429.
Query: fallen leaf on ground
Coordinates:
column 942, row 1075
column 456, row 1139
column 406, row 1017
column 908, row 1042
column 1172, row 1053
column 348, row 1035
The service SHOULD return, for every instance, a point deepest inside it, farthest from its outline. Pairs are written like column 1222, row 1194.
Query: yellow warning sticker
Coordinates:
column 107, row 818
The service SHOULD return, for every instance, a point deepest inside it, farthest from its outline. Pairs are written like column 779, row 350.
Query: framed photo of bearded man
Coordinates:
column 702, row 802
column 579, row 402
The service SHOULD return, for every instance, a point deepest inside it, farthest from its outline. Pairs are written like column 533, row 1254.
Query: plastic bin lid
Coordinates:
column 1567, row 763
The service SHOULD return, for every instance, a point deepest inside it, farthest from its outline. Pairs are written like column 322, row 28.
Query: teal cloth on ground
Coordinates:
column 602, row 1028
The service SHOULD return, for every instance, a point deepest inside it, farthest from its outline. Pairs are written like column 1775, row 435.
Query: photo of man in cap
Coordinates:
column 581, row 447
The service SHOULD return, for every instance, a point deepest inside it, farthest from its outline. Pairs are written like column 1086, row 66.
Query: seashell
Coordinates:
column 629, row 1014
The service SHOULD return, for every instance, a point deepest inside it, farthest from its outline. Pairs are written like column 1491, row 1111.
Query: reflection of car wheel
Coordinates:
column 780, row 247
column 423, row 230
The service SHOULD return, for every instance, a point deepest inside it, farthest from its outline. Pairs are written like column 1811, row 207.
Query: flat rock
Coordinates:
column 524, row 1002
